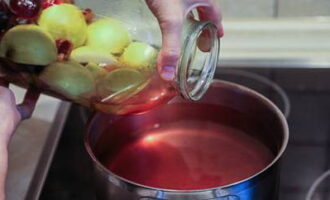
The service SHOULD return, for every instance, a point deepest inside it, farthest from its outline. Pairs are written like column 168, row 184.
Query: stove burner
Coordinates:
column 261, row 84
column 320, row 189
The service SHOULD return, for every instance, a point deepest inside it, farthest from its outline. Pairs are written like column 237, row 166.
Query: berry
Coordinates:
column 48, row 3
column 64, row 48
column 89, row 15
column 26, row 9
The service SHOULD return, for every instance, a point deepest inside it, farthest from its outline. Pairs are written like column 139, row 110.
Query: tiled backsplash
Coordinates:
column 247, row 8
column 274, row 8
column 304, row 8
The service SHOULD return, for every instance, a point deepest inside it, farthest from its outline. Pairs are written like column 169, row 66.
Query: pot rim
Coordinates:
column 123, row 181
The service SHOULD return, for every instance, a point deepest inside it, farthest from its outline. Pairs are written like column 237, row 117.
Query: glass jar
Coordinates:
column 102, row 53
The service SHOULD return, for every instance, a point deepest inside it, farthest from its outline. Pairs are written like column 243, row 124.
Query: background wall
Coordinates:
column 274, row 8
column 276, row 29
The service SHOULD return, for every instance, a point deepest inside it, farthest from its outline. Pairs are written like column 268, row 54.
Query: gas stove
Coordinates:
column 303, row 94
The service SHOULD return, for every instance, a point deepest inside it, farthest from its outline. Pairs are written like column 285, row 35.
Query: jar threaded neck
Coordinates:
column 199, row 59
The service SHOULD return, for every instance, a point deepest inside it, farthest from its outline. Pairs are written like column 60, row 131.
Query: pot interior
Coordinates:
column 230, row 135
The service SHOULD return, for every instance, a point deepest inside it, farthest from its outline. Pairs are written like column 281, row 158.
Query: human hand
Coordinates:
column 11, row 115
column 170, row 15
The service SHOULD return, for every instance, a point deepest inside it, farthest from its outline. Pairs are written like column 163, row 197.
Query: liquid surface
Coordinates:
column 188, row 155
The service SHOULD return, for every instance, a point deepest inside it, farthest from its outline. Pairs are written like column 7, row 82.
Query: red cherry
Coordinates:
column 48, row 3
column 26, row 9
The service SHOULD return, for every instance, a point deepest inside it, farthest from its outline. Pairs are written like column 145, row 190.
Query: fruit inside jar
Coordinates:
column 76, row 55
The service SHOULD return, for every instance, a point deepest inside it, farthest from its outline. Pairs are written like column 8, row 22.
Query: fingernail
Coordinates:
column 168, row 73
column 221, row 33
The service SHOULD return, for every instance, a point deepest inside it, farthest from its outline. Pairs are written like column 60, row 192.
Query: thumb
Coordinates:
column 170, row 15
column 171, row 49
column 26, row 108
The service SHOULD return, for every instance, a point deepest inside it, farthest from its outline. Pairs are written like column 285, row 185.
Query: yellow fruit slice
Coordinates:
column 119, row 97
column 88, row 54
column 120, row 84
column 139, row 55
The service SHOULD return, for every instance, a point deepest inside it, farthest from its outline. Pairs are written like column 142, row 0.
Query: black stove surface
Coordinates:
column 306, row 158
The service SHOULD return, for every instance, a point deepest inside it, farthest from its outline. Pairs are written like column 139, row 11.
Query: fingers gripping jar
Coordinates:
column 101, row 53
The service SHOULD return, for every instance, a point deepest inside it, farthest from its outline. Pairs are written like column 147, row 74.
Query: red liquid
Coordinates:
column 188, row 155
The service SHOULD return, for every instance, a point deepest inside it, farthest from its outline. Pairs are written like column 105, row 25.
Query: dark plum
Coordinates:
column 26, row 9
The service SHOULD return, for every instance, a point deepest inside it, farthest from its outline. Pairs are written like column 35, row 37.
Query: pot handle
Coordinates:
column 227, row 197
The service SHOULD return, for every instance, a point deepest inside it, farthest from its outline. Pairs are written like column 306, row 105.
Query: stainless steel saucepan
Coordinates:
column 267, row 122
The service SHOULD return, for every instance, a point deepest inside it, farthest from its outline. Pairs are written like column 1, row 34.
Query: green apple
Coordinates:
column 88, row 54
column 139, row 55
column 65, row 21
column 109, row 35
column 28, row 44
column 68, row 78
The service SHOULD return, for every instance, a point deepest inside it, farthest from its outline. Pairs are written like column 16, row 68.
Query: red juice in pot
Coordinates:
column 189, row 153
